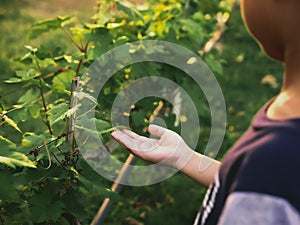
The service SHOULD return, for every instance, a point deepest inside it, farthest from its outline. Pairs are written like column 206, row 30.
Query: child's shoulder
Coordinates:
column 269, row 148
column 270, row 165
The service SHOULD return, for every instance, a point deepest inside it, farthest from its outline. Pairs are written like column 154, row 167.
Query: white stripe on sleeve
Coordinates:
column 248, row 208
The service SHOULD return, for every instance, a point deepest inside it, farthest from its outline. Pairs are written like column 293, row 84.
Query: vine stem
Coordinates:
column 78, row 67
column 47, row 122
column 72, row 40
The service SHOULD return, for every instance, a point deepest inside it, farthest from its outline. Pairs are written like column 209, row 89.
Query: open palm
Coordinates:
column 168, row 148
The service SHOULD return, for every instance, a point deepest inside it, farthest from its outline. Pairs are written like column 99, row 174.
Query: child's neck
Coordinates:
column 287, row 103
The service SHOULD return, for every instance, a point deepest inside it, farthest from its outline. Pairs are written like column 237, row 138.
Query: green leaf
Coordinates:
column 27, row 75
column 34, row 110
column 82, row 95
column 215, row 65
column 121, row 40
column 31, row 49
column 113, row 129
column 6, row 143
column 101, row 124
column 93, row 26
column 60, row 112
column 57, row 113
column 43, row 207
column 115, row 25
column 99, row 131
column 62, row 82
column 11, row 123
column 129, row 9
column 14, row 159
column 31, row 139
column 13, row 80
column 8, row 191
column 57, row 209
column 47, row 25
column 79, row 33
column 23, row 75
column 29, row 97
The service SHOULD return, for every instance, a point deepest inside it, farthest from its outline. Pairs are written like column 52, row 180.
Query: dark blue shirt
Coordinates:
column 259, row 181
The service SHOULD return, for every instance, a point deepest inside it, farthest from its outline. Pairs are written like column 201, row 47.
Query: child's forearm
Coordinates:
column 201, row 169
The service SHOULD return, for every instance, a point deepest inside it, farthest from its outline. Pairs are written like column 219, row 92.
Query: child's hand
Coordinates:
column 169, row 149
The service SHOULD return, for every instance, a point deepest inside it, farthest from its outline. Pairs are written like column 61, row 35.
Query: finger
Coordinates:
column 119, row 136
column 156, row 130
column 126, row 140
column 134, row 135
column 115, row 134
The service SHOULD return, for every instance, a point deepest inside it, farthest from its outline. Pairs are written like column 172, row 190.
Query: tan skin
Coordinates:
column 275, row 25
column 172, row 149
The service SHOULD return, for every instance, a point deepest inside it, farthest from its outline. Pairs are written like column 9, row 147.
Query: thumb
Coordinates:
column 156, row 130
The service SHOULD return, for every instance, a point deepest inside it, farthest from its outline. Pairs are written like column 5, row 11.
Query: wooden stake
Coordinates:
column 116, row 187
column 73, row 103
